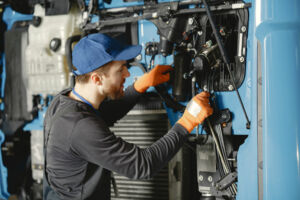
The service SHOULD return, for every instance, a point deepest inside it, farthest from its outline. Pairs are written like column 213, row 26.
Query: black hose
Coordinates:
column 170, row 102
column 68, row 51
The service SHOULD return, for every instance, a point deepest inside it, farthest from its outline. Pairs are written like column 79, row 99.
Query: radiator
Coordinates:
column 142, row 127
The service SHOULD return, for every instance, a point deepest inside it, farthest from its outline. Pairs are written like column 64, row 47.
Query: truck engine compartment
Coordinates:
column 207, row 48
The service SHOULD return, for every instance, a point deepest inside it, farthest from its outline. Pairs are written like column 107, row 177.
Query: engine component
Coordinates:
column 165, row 47
column 36, row 21
column 68, row 51
column 181, row 86
column 151, row 48
column 55, row 44
column 37, row 156
column 57, row 7
column 46, row 70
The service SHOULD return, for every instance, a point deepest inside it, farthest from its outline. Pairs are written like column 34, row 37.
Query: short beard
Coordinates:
column 115, row 94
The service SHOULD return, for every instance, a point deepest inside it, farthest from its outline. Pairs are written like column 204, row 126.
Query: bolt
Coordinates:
column 243, row 29
column 224, row 116
column 154, row 15
column 209, row 179
column 85, row 15
column 185, row 76
column 200, row 178
column 205, row 88
column 191, row 21
column 242, row 59
column 200, row 33
column 230, row 87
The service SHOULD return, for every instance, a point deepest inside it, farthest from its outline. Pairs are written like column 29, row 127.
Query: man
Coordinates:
column 80, row 150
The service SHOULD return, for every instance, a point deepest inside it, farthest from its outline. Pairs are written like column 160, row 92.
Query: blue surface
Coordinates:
column 247, row 154
column 2, row 56
column 3, row 173
column 9, row 17
column 279, row 35
column 37, row 123
column 121, row 3
column 148, row 33
column 116, row 4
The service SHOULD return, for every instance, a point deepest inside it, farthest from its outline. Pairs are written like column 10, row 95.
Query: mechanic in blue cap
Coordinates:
column 80, row 150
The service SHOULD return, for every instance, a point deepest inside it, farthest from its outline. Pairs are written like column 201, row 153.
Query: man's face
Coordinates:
column 113, row 83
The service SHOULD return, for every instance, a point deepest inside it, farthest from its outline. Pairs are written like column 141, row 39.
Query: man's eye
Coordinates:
column 122, row 68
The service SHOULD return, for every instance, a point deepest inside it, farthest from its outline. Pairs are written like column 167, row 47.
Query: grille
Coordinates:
column 143, row 128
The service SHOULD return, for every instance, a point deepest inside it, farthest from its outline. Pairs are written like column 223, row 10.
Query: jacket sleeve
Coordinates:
column 113, row 110
column 94, row 142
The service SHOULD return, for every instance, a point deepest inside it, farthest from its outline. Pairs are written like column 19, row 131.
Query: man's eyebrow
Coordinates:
column 124, row 65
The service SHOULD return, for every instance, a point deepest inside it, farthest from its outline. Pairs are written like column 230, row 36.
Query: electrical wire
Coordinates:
column 219, row 151
column 225, row 58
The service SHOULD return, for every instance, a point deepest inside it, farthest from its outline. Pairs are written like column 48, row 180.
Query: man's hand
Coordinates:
column 196, row 111
column 159, row 74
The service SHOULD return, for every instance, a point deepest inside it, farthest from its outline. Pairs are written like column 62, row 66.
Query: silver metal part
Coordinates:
column 243, row 29
column 242, row 59
column 226, row 169
column 37, row 156
column 230, row 87
column 240, row 44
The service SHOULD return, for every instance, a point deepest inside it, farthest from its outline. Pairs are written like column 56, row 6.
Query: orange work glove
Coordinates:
column 159, row 74
column 196, row 111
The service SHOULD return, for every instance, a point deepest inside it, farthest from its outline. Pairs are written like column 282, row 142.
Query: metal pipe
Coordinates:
column 227, row 171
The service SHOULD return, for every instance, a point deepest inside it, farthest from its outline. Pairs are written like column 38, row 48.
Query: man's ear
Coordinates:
column 97, row 78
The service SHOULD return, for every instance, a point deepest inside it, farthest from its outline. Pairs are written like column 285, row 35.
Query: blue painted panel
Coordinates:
column 121, row 3
column 10, row 17
column 279, row 33
column 247, row 154
column 3, row 81
column 37, row 123
column 116, row 4
column 3, row 173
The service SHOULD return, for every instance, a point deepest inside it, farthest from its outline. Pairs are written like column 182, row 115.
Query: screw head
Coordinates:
column 200, row 178
column 242, row 59
column 243, row 29
column 209, row 179
column 230, row 87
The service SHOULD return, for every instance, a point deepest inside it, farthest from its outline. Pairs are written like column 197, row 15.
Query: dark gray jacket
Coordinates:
column 81, row 150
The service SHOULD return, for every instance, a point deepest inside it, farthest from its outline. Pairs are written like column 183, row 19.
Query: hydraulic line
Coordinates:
column 225, row 58
column 194, row 94
column 223, row 162
column 222, row 145
column 224, row 152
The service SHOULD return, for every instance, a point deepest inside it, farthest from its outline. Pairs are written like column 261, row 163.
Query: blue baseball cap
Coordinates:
column 95, row 50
